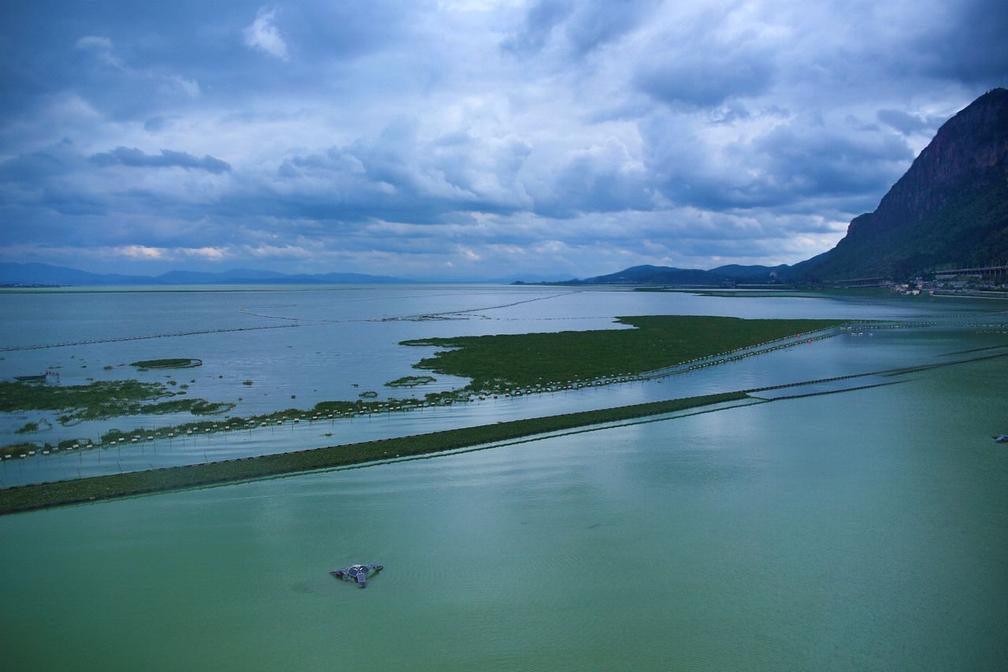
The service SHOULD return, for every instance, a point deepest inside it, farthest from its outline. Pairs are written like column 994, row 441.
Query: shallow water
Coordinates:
column 863, row 530
column 856, row 531
column 334, row 342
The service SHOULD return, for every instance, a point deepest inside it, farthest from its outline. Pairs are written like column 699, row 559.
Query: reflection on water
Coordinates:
column 855, row 531
column 344, row 338
column 861, row 530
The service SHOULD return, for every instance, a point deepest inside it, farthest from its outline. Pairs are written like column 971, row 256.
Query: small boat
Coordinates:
column 1001, row 438
column 357, row 573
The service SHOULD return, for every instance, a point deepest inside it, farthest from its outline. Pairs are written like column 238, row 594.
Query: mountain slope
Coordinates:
column 647, row 275
column 950, row 208
column 669, row 275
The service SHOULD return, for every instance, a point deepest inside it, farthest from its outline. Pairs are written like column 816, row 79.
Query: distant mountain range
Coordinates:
column 949, row 209
column 668, row 275
column 45, row 274
column 35, row 274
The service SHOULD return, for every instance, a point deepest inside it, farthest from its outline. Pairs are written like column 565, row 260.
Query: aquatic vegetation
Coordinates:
column 172, row 363
column 509, row 366
column 194, row 406
column 19, row 449
column 564, row 358
column 28, row 497
column 410, row 381
column 27, row 428
column 99, row 400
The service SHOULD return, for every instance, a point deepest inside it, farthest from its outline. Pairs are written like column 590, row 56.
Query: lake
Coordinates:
column 852, row 531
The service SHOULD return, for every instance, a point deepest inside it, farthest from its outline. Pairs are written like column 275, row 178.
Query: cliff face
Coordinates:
column 951, row 206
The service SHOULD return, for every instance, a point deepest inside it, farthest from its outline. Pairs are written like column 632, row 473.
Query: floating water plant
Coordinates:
column 603, row 355
column 173, row 363
column 98, row 400
column 410, row 381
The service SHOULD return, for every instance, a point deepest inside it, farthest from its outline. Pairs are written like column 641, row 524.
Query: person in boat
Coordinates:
column 357, row 573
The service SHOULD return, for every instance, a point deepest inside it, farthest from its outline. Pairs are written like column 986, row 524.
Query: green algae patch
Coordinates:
column 44, row 495
column 194, row 406
column 100, row 400
column 176, row 363
column 655, row 342
column 411, row 381
column 27, row 428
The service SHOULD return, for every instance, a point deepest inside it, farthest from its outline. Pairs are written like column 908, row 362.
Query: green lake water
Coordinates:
column 856, row 531
column 864, row 530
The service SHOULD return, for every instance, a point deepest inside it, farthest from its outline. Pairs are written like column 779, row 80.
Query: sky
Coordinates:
column 467, row 139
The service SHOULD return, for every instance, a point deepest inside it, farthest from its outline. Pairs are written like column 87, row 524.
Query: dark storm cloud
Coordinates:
column 707, row 81
column 907, row 123
column 970, row 45
column 583, row 26
column 135, row 158
column 541, row 19
column 697, row 63
column 465, row 136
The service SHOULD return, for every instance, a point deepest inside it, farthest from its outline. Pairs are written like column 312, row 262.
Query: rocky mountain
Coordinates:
column 950, row 208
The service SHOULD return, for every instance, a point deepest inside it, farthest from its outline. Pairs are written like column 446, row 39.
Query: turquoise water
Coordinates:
column 856, row 531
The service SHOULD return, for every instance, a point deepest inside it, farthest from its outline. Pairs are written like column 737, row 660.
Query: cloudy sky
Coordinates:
column 467, row 138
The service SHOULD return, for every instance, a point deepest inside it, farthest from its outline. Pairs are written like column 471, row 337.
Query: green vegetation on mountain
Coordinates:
column 949, row 209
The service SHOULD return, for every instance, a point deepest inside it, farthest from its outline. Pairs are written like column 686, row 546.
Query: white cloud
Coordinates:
column 190, row 87
column 94, row 42
column 263, row 34
column 209, row 253
column 102, row 47
column 148, row 253
column 138, row 252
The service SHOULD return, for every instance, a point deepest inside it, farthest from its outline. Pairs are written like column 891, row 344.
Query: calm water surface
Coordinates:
column 856, row 531
column 303, row 345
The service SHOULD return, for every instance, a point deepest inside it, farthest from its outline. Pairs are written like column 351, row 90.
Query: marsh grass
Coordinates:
column 655, row 342
column 171, row 363
column 410, row 381
column 99, row 400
